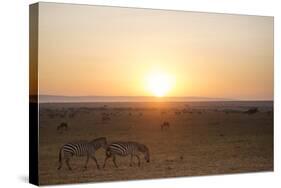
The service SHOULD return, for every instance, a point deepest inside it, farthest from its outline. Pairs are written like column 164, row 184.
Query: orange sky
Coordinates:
column 92, row 50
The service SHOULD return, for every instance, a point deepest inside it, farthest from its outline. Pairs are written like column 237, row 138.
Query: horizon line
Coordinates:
column 158, row 99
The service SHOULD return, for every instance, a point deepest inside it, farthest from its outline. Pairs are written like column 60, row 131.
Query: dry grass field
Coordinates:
column 203, row 139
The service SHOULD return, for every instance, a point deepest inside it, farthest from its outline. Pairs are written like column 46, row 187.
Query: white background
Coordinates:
column 14, row 92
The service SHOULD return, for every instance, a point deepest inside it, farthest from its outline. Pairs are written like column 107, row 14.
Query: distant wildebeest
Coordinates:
column 181, row 157
column 106, row 118
column 125, row 149
column 252, row 110
column 81, row 149
column 62, row 126
column 164, row 125
column 105, row 114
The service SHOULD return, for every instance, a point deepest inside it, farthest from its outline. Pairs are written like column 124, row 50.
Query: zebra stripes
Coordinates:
column 81, row 149
column 125, row 149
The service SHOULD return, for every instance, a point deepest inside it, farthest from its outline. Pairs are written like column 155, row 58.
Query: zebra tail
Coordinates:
column 60, row 154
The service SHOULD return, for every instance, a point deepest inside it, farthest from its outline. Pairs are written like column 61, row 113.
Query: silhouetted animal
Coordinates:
column 106, row 118
column 164, row 125
column 251, row 111
column 62, row 126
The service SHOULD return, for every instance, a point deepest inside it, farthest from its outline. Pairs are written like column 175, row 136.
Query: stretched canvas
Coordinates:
column 131, row 93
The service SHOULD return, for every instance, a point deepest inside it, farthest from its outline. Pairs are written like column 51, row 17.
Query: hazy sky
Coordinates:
column 91, row 50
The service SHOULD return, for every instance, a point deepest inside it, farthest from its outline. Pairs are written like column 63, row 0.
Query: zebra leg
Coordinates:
column 86, row 163
column 60, row 165
column 67, row 163
column 94, row 158
column 114, row 161
column 138, row 160
column 105, row 161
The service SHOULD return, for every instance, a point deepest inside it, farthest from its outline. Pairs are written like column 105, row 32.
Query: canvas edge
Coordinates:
column 33, row 94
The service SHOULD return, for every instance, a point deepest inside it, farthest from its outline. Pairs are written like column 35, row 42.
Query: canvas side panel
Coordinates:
column 33, row 94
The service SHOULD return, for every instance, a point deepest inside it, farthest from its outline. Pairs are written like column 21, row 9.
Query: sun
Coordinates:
column 159, row 83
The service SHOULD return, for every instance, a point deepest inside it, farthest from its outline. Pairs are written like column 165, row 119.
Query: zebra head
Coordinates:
column 144, row 149
column 100, row 142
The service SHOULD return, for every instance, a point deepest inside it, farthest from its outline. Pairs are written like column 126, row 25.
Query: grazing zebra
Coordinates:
column 165, row 124
column 81, row 149
column 125, row 149
column 62, row 126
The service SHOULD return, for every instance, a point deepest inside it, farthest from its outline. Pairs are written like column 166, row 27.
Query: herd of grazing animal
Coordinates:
column 88, row 149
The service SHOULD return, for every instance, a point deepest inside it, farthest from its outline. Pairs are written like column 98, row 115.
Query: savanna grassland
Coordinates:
column 204, row 138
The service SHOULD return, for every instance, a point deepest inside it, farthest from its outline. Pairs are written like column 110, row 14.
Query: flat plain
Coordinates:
column 204, row 138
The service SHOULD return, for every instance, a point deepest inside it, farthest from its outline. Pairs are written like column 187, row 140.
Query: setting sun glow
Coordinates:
column 159, row 84
column 154, row 53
